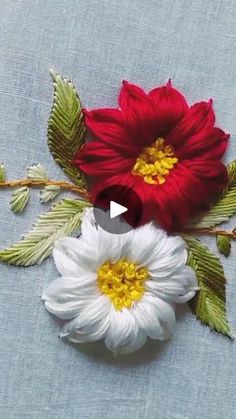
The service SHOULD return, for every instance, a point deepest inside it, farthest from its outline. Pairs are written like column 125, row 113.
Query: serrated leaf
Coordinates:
column 49, row 193
column 2, row 173
column 63, row 219
column 66, row 129
column 19, row 199
column 223, row 244
column 232, row 173
column 37, row 172
column 209, row 303
column 225, row 207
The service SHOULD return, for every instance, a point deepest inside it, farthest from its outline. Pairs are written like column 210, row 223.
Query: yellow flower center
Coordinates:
column 155, row 162
column 123, row 282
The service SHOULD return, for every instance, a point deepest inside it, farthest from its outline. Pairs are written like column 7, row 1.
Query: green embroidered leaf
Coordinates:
column 66, row 129
column 225, row 206
column 37, row 172
column 209, row 303
column 19, row 199
column 2, row 173
column 232, row 173
column 49, row 193
column 223, row 244
column 62, row 220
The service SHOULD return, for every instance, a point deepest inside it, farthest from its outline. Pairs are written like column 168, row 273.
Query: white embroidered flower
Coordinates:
column 121, row 288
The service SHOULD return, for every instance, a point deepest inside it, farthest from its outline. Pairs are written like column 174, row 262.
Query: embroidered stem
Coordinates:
column 212, row 232
column 38, row 183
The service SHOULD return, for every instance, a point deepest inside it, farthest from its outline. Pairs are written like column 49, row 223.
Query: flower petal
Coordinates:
column 174, row 202
column 123, row 333
column 78, row 257
column 73, row 257
column 163, row 264
column 199, row 118
column 70, row 288
column 108, row 126
column 112, row 246
column 169, row 106
column 152, row 248
column 65, row 296
column 134, row 345
column 208, row 144
column 99, row 159
column 135, row 183
column 89, row 318
column 89, row 333
column 147, row 319
column 89, row 229
column 164, row 312
column 138, row 115
column 178, row 288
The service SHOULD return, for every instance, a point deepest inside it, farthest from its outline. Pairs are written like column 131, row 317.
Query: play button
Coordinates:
column 118, row 209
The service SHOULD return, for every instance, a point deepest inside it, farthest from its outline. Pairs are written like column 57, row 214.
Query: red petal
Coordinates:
column 137, row 114
column 199, row 118
column 107, row 125
column 208, row 171
column 97, row 159
column 208, row 144
column 169, row 107
column 175, row 201
column 125, row 178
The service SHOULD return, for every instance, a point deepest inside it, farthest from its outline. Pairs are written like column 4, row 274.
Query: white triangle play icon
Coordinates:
column 116, row 209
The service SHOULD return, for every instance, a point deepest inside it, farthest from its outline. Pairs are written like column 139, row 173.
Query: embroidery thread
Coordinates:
column 162, row 148
column 164, row 151
column 105, row 296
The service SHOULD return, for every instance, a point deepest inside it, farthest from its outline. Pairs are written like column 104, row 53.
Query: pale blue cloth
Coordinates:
column 98, row 43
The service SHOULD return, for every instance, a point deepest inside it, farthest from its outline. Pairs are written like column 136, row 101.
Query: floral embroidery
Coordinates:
column 123, row 282
column 121, row 302
column 173, row 148
column 123, row 287
column 155, row 162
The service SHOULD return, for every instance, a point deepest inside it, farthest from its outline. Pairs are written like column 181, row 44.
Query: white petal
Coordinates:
column 113, row 247
column 151, row 247
column 144, row 240
column 123, row 334
column 91, row 323
column 174, row 258
column 134, row 345
column 73, row 256
column 66, row 296
column 179, row 288
column 68, row 288
column 105, row 246
column 89, row 229
column 96, row 310
column 88, row 333
column 64, row 311
column 164, row 312
column 96, row 246
column 146, row 316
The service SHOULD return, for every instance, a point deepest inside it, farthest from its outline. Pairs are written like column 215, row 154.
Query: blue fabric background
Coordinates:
column 98, row 43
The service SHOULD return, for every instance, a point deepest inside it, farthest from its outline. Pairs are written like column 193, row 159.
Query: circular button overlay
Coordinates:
column 118, row 209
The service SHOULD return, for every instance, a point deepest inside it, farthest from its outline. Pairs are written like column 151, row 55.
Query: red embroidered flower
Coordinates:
column 167, row 152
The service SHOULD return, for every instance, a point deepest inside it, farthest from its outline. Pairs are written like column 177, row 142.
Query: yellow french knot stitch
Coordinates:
column 122, row 282
column 155, row 162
